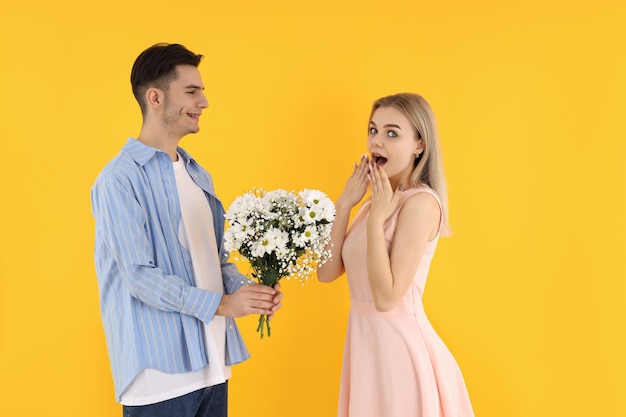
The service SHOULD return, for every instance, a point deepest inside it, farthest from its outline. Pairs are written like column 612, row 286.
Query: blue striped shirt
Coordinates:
column 152, row 312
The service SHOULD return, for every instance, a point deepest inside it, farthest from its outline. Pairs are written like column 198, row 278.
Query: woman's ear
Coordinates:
column 419, row 148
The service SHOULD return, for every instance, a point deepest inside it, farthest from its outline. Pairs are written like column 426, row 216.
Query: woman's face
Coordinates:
column 393, row 144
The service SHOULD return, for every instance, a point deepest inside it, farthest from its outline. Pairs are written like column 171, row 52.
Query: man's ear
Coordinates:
column 154, row 97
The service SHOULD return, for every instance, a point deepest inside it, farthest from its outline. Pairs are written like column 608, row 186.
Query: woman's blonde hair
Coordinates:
column 428, row 168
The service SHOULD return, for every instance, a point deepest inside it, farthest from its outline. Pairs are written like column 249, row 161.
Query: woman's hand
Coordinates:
column 356, row 186
column 383, row 199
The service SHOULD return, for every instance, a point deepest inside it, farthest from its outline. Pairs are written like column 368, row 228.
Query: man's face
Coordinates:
column 184, row 102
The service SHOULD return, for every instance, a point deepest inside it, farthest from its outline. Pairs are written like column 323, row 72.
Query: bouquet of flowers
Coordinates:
column 281, row 234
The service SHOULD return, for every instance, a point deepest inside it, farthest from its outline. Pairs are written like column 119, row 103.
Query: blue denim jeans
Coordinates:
column 205, row 402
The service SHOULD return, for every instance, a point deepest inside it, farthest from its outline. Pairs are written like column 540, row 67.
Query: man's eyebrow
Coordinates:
column 195, row 87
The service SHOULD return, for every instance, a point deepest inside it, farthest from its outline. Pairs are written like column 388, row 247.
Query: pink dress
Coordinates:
column 395, row 364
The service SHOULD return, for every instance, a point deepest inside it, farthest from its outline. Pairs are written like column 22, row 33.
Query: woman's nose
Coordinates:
column 376, row 141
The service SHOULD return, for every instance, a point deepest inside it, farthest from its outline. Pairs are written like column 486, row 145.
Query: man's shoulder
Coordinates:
column 120, row 164
column 122, row 167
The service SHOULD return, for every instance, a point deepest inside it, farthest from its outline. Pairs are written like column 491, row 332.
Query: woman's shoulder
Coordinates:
column 421, row 202
column 420, row 198
column 422, row 191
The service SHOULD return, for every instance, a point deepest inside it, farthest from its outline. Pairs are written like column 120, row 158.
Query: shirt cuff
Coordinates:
column 201, row 304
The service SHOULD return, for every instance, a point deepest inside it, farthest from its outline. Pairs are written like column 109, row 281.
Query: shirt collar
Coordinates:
column 143, row 153
column 185, row 155
column 138, row 151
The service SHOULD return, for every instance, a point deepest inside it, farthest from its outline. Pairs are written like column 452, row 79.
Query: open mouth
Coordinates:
column 379, row 160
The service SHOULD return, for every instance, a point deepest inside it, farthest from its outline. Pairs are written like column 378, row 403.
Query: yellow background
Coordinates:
column 529, row 292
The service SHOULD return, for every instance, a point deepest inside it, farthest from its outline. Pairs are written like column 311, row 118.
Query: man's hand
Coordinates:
column 278, row 297
column 250, row 299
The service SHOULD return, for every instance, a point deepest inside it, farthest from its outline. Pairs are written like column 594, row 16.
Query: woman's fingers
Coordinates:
column 375, row 178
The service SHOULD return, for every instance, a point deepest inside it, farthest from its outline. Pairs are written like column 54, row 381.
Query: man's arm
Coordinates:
column 124, row 251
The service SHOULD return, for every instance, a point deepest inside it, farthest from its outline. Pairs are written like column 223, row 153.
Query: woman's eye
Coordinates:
column 392, row 134
column 373, row 131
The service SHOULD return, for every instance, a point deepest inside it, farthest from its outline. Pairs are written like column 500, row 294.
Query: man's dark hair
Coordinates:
column 156, row 67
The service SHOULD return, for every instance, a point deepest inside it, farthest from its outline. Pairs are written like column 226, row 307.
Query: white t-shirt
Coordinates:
column 197, row 236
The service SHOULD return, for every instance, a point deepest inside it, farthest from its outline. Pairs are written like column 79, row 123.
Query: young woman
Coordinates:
column 395, row 364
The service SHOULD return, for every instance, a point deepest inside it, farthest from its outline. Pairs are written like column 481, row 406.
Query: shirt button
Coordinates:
column 230, row 327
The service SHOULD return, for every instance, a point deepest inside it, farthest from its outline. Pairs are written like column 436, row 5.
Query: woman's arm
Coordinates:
column 352, row 194
column 390, row 272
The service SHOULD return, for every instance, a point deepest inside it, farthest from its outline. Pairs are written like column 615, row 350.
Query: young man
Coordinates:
column 168, row 296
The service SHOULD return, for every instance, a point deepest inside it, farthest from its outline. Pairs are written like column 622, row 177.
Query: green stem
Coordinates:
column 264, row 323
column 259, row 328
